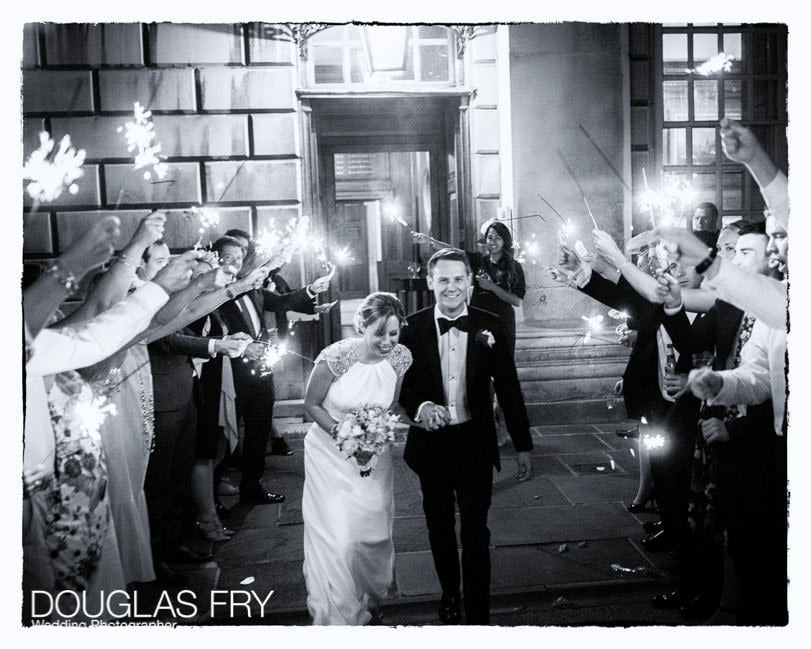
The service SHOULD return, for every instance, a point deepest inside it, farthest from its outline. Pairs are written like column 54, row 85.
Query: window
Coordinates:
column 337, row 57
column 752, row 89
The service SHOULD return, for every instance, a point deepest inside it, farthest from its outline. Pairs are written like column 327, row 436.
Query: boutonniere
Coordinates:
column 485, row 337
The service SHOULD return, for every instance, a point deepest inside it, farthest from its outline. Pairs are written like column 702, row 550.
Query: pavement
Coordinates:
column 565, row 550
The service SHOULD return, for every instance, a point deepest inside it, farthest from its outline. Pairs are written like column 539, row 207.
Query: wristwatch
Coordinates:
column 704, row 264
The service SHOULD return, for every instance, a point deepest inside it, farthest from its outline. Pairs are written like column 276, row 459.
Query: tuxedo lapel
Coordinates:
column 472, row 354
column 431, row 349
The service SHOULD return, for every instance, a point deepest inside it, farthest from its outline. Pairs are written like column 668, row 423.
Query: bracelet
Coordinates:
column 623, row 265
column 63, row 276
column 704, row 264
column 123, row 259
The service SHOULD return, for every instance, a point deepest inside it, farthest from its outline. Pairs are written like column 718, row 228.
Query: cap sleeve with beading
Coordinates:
column 339, row 357
column 400, row 359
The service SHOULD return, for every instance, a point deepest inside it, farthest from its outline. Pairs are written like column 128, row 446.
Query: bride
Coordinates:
column 348, row 548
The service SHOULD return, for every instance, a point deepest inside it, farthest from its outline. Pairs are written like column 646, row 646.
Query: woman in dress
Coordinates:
column 348, row 518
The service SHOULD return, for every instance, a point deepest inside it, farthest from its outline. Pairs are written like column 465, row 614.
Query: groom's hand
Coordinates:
column 524, row 466
column 432, row 416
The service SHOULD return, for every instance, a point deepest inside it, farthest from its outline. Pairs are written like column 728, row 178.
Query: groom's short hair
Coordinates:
column 448, row 254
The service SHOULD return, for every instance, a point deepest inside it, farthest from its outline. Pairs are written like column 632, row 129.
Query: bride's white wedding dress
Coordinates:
column 348, row 548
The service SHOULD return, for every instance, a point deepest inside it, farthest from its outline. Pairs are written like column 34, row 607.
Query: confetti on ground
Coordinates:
column 564, row 547
column 246, row 581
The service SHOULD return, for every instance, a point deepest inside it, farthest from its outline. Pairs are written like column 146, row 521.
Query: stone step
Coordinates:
column 582, row 388
column 576, row 410
column 558, row 371
column 578, row 354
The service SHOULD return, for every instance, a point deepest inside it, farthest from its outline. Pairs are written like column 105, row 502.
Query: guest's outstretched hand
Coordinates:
column 176, row 275
column 738, row 142
column 93, row 248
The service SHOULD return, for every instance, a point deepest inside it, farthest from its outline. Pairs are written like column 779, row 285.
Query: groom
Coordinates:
column 453, row 447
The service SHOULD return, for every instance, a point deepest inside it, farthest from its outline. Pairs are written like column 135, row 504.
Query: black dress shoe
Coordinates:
column 651, row 527
column 260, row 498
column 183, row 554
column 449, row 610
column 659, row 542
column 672, row 600
column 645, row 507
column 278, row 446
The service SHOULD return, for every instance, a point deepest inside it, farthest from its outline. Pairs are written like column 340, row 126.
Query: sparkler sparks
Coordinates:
column 91, row 412
column 272, row 355
column 140, row 135
column 653, row 441
column 721, row 62
column 209, row 218
column 343, row 256
column 50, row 175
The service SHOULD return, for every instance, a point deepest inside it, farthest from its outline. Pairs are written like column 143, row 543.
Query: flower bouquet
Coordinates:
column 365, row 433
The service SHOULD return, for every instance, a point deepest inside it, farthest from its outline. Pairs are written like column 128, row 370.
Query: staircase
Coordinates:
column 565, row 379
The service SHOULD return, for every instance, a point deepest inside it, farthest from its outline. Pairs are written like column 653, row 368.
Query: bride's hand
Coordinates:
column 363, row 457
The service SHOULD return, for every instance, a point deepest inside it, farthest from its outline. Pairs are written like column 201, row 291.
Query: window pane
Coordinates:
column 705, row 46
column 732, row 192
column 733, row 94
column 675, row 100
column 703, row 146
column 732, row 46
column 674, row 53
column 328, row 64
column 435, row 63
column 358, row 65
column 765, row 100
column 704, row 187
column 705, row 98
column 675, row 146
column 433, row 31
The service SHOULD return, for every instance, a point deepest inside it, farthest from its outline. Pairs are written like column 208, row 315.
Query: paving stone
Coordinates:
column 542, row 465
column 561, row 523
column 532, row 493
column 415, row 574
column 261, row 545
column 572, row 443
column 561, row 429
column 614, row 441
column 585, row 463
column 284, row 578
column 410, row 533
column 593, row 489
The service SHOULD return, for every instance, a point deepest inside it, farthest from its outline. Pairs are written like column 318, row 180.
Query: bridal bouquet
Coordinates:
column 365, row 433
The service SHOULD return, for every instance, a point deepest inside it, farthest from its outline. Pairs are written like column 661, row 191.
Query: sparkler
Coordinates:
column 51, row 174
column 90, row 413
column 343, row 256
column 605, row 158
column 593, row 323
column 582, row 193
column 653, row 441
column 140, row 135
column 208, row 217
column 721, row 62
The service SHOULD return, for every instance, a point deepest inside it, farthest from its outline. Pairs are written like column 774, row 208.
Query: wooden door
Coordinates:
column 348, row 230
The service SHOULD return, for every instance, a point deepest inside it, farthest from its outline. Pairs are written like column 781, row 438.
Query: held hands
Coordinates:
column 714, row 430
column 668, row 291
column 705, row 383
column 675, row 384
column 434, row 416
column 93, row 248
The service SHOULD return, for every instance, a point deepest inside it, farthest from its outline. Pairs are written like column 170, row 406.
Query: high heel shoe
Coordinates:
column 210, row 531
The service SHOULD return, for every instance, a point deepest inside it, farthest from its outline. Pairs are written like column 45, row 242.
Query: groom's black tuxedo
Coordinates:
column 455, row 463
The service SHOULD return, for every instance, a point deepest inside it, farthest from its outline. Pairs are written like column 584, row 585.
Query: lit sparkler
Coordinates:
column 51, row 174
column 653, row 441
column 140, row 135
column 343, row 256
column 582, row 193
column 272, row 355
column 209, row 218
column 614, row 314
column 90, row 413
column 721, row 62
column 594, row 323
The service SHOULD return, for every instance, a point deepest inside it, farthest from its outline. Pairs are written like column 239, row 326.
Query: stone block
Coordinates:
column 276, row 134
column 248, row 88
column 185, row 43
column 266, row 45
column 486, row 209
column 183, row 228
column 484, row 79
column 98, row 136
column 57, row 91
column 30, row 45
column 87, row 194
column 37, row 235
column 31, row 130
column 484, row 126
column 126, row 185
column 93, row 44
column 170, row 89
column 487, row 177
column 72, row 225
column 253, row 180
column 202, row 135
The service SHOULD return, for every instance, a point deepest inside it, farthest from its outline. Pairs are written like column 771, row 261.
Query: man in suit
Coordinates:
column 453, row 447
column 254, row 313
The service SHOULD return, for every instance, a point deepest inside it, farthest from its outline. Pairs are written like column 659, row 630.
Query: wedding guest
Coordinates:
column 706, row 223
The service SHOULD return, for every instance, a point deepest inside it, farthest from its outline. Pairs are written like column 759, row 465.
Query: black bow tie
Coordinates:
column 445, row 325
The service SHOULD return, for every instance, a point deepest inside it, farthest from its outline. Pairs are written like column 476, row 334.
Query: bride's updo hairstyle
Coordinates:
column 378, row 307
